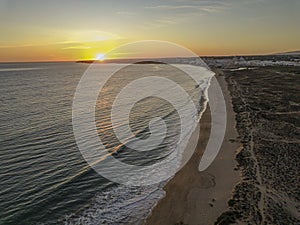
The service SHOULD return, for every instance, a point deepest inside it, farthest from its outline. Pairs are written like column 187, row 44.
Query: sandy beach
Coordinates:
column 194, row 197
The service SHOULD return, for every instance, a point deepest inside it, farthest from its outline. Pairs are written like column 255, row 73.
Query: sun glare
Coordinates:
column 100, row 57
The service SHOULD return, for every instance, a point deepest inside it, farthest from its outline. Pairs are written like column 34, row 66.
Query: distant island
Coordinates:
column 289, row 53
column 121, row 61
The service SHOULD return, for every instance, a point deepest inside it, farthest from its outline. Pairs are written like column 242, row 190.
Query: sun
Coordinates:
column 100, row 57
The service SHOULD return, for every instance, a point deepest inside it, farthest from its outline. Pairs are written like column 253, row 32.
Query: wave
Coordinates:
column 121, row 204
column 19, row 69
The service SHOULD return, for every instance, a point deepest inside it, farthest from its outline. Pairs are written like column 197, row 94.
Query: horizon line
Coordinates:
column 204, row 56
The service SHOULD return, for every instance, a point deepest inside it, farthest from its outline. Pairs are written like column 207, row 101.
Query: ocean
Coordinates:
column 44, row 177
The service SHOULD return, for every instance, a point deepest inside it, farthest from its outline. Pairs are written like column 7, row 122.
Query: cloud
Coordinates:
column 158, row 23
column 170, row 7
column 200, row 6
column 78, row 47
column 126, row 13
column 182, row 11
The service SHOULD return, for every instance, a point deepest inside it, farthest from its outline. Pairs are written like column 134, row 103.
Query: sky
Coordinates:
column 63, row 30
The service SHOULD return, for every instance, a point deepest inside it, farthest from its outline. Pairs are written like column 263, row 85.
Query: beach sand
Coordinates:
column 194, row 197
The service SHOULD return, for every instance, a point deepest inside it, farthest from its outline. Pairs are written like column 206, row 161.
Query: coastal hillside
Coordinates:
column 266, row 102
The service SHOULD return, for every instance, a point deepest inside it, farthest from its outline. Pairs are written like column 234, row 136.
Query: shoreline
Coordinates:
column 194, row 197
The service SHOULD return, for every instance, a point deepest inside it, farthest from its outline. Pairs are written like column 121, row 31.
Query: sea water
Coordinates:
column 44, row 178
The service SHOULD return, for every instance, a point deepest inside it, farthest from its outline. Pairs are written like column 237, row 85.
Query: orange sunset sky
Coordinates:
column 33, row 30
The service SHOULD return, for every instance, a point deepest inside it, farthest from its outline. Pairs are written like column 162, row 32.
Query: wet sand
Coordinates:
column 194, row 197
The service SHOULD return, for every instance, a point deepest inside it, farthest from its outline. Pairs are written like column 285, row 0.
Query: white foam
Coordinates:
column 119, row 205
